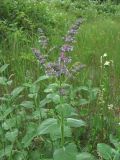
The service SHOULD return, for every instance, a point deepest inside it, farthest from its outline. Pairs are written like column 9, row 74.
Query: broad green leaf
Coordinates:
column 44, row 102
column 54, row 97
column 40, row 112
column 117, row 156
column 9, row 82
column 85, row 88
column 56, row 134
column 3, row 68
column 53, row 85
column 11, row 123
column 30, row 134
column 105, row 151
column 6, row 152
column 75, row 122
column 5, row 112
column 48, row 90
column 27, row 104
column 11, row 135
column 51, row 88
column 21, row 155
column 115, row 142
column 16, row 92
column 85, row 156
column 41, row 78
column 66, row 153
column 3, row 81
column 47, row 126
column 34, row 89
column 66, row 110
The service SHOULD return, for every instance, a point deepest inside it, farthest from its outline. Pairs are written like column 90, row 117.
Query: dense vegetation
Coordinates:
column 59, row 80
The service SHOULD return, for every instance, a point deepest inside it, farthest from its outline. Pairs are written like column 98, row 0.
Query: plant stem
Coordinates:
column 62, row 130
column 62, row 119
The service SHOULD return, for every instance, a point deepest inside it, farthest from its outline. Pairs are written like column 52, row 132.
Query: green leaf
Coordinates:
column 51, row 88
column 11, row 135
column 30, row 134
column 3, row 81
column 82, row 88
column 16, row 92
column 48, row 90
column 66, row 153
column 9, row 82
column 12, row 122
column 105, row 151
column 54, row 97
column 41, row 78
column 66, row 110
column 6, row 152
column 5, row 112
column 117, row 156
column 56, row 134
column 44, row 102
column 47, row 126
column 9, row 123
column 85, row 156
column 27, row 104
column 40, row 112
column 75, row 122
column 115, row 142
column 21, row 155
column 3, row 68
column 35, row 155
column 34, row 89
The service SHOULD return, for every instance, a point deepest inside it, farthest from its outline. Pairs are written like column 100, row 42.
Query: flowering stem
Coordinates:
column 62, row 115
column 62, row 130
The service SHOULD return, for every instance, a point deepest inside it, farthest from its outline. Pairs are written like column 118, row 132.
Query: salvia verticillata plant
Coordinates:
column 62, row 97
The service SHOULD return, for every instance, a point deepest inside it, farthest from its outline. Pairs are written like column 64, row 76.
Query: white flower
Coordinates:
column 101, row 59
column 105, row 55
column 110, row 106
column 119, row 123
column 107, row 63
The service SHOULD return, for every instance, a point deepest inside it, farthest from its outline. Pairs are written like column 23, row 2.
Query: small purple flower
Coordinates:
column 72, row 31
column 69, row 38
column 66, row 48
column 39, row 56
column 64, row 59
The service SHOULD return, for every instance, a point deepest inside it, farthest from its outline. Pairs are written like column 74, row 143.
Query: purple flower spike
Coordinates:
column 66, row 48
column 62, row 56
column 64, row 59
column 39, row 56
column 72, row 31
column 69, row 38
